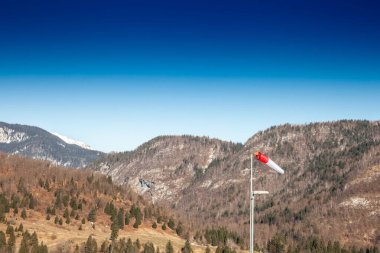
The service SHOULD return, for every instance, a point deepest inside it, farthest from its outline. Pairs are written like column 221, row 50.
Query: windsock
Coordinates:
column 264, row 159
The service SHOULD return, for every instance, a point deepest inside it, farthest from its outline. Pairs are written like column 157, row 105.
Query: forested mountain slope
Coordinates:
column 331, row 188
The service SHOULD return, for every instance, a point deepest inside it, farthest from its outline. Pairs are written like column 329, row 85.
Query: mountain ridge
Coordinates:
column 40, row 144
column 206, row 180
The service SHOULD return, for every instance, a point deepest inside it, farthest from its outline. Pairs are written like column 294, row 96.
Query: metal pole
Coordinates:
column 251, row 211
column 253, row 222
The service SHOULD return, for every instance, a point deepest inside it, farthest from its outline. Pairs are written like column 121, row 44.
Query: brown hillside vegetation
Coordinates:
column 330, row 190
column 64, row 207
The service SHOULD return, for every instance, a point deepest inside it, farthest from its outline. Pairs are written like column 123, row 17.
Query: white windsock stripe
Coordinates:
column 260, row 192
column 274, row 166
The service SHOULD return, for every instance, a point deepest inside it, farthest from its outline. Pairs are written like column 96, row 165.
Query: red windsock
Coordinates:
column 264, row 159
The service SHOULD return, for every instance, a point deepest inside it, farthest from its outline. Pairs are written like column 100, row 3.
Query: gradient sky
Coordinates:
column 116, row 73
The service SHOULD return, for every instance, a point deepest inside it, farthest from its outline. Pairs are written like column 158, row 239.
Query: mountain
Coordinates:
column 331, row 188
column 165, row 166
column 37, row 143
column 71, row 141
column 62, row 207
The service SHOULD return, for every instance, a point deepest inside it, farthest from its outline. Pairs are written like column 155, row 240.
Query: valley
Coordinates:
column 198, row 187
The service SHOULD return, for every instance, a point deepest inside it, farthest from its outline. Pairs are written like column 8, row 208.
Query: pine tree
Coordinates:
column 60, row 222
column 34, row 239
column 68, row 220
column 92, row 215
column 15, row 210
column 208, row 250
column 31, row 202
column 24, row 245
column 336, row 247
column 130, row 248
column 126, row 219
column 65, row 200
column 23, row 214
column 138, row 244
column 42, row 248
column 104, row 247
column 56, row 220
column 179, row 229
column 187, row 248
column 35, row 249
column 4, row 205
column 48, row 217
column 114, row 231
column 2, row 215
column 9, row 230
column 107, row 209
column 3, row 241
column 169, row 247
column 148, row 248
column 80, row 227
column 91, row 245
column 21, row 228
column 83, row 221
column 171, row 224
column 120, row 218
column 113, row 217
column 66, row 213
column 163, row 226
column 15, row 200
column 138, row 217
column 276, row 245
column 74, row 204
column 11, row 241
column 113, row 209
column 154, row 225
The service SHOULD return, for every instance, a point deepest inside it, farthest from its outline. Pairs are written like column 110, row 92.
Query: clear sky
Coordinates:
column 116, row 73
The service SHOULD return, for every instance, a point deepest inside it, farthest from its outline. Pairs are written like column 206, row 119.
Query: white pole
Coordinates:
column 264, row 159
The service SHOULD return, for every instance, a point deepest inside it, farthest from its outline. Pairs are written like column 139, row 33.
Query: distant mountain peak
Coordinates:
column 72, row 141
column 40, row 144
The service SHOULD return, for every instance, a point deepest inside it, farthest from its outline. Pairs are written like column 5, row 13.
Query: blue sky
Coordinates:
column 115, row 74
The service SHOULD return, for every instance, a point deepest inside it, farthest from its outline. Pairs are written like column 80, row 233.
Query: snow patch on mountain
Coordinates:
column 356, row 202
column 71, row 141
column 8, row 135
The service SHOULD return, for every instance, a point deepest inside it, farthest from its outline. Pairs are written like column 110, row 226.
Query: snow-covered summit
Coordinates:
column 71, row 141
